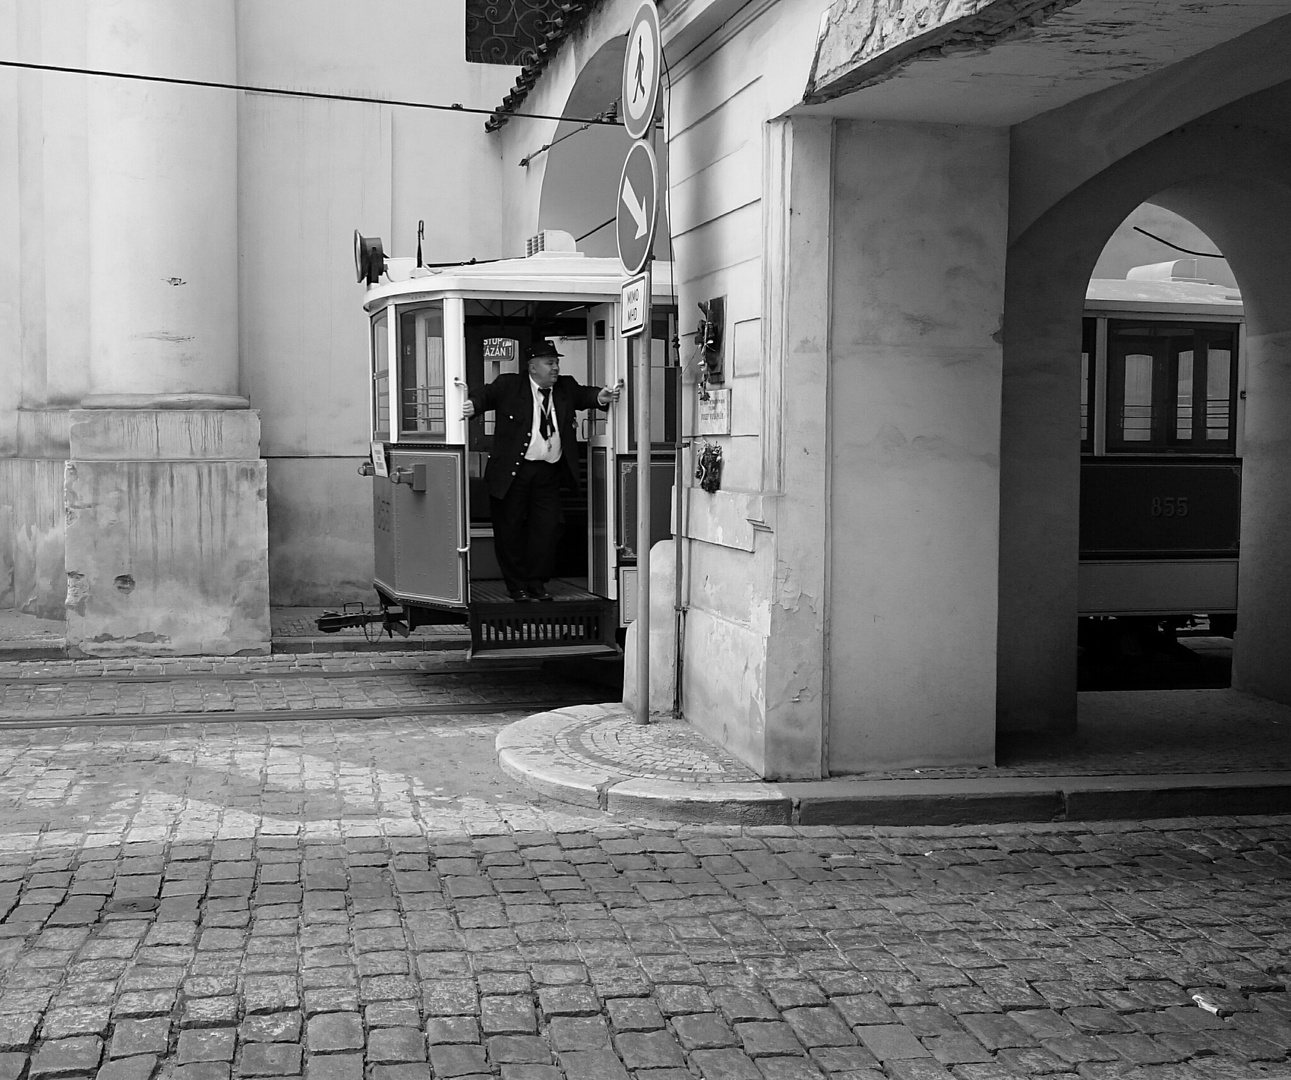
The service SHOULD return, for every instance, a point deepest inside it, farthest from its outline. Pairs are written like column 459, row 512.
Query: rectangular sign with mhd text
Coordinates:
column 632, row 301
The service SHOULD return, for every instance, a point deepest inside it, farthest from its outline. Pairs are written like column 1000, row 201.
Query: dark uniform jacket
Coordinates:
column 510, row 396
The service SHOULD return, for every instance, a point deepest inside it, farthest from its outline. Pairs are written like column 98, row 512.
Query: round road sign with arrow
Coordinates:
column 638, row 208
column 641, row 70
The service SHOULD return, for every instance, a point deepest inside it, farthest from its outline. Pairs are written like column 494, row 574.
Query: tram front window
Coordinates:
column 1172, row 388
column 421, row 370
column 380, row 375
column 1219, row 399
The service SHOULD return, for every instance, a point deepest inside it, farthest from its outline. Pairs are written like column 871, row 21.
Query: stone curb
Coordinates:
column 714, row 803
column 527, row 752
column 21, row 650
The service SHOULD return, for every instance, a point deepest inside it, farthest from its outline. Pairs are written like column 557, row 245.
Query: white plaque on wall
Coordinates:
column 715, row 413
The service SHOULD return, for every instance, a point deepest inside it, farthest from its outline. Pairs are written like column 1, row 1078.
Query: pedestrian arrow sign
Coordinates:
column 637, row 212
column 641, row 65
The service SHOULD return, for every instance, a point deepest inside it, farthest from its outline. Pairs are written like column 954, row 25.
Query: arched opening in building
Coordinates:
column 1160, row 460
column 581, row 179
column 1229, row 174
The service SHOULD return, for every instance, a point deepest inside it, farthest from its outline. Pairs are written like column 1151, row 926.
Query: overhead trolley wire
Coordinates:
column 321, row 95
column 1186, row 251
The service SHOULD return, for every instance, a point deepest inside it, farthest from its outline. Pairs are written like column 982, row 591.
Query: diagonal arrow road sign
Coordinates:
column 636, row 207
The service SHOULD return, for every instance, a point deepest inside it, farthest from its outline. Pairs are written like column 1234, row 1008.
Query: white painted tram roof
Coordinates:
column 1172, row 297
column 554, row 274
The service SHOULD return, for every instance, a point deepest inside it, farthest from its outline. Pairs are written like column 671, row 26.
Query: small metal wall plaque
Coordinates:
column 715, row 413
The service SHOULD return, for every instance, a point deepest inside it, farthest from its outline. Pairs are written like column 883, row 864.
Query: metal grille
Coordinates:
column 564, row 626
column 508, row 31
column 424, row 410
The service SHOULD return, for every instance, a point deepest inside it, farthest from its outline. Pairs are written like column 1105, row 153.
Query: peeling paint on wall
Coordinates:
column 863, row 42
column 78, row 591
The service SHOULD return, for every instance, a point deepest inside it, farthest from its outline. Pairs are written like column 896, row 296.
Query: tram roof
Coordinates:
column 1172, row 297
column 547, row 273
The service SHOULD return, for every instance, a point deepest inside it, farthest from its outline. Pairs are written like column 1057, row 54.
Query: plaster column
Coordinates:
column 165, row 487
column 798, row 245
column 1263, row 642
column 920, row 235
column 163, row 200
column 1040, row 495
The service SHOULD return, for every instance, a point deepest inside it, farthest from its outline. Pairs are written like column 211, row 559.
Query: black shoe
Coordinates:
column 540, row 593
column 521, row 596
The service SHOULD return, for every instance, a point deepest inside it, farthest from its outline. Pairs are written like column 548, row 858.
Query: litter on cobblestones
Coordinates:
column 1205, row 1003
column 131, row 905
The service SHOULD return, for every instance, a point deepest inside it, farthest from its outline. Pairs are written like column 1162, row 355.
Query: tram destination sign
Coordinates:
column 638, row 208
column 641, row 64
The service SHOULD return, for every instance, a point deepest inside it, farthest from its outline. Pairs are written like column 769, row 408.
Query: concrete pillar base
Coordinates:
column 663, row 635
column 167, row 533
column 32, row 577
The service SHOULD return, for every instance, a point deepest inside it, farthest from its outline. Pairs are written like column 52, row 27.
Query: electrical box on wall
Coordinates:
column 710, row 337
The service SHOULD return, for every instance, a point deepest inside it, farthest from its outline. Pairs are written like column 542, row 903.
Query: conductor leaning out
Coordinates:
column 533, row 428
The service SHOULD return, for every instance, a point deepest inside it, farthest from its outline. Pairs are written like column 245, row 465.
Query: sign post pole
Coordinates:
column 643, row 349
column 635, row 222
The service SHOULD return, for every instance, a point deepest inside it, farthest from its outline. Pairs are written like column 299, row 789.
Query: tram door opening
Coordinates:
column 497, row 333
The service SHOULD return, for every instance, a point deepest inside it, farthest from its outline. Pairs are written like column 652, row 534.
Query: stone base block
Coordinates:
column 31, row 536
column 663, row 634
column 167, row 558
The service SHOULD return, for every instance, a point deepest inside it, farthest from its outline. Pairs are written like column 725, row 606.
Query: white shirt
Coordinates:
column 540, row 449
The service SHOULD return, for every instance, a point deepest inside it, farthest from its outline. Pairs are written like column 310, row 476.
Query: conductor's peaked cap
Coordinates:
column 539, row 348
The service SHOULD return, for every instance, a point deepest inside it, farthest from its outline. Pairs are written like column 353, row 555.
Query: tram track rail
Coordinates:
column 495, row 668
column 302, row 715
column 247, row 676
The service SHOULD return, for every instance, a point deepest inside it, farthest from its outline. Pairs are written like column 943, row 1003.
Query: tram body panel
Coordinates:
column 428, row 526
column 1161, row 439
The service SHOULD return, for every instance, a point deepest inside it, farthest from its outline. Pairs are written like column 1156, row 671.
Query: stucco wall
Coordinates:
column 716, row 171
column 310, row 173
column 920, row 217
column 272, row 224
column 320, row 532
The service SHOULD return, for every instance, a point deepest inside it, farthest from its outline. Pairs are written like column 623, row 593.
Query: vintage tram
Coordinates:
column 1162, row 406
column 435, row 334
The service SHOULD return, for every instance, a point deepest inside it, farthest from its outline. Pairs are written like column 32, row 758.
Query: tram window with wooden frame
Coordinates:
column 421, row 372
column 380, row 345
column 1088, row 348
column 1171, row 388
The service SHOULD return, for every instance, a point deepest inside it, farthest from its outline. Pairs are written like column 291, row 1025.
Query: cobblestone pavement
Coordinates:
column 372, row 900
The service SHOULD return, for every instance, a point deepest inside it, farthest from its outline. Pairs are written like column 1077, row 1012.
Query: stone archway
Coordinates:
column 580, row 183
column 1234, row 182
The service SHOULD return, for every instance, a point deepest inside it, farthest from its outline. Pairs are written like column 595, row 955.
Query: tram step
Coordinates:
column 538, row 629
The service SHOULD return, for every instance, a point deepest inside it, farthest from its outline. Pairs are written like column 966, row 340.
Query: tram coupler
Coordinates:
column 358, row 614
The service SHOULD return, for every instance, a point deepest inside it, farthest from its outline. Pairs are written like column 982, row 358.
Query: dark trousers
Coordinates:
column 527, row 525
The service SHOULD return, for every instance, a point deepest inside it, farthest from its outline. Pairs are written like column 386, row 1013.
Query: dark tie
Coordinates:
column 545, row 425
